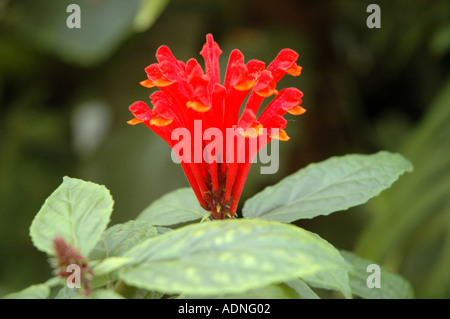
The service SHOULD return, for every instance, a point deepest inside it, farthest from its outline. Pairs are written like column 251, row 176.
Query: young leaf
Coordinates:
column 323, row 188
column 228, row 257
column 174, row 208
column 392, row 286
column 110, row 264
column 77, row 211
column 40, row 291
column 119, row 238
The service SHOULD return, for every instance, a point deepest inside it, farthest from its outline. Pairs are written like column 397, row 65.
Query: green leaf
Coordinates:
column 44, row 24
column 277, row 291
column 302, row 289
column 119, row 238
column 148, row 13
column 103, row 280
column 102, row 294
column 110, row 264
column 68, row 293
column 40, row 291
column 323, row 188
column 135, row 293
column 54, row 281
column 74, row 293
column 335, row 279
column 177, row 207
column 228, row 257
column 162, row 230
column 77, row 211
column 392, row 286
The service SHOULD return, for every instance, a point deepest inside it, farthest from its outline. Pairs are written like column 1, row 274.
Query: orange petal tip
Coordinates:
column 162, row 83
column 245, row 85
column 197, row 106
column 266, row 92
column 160, row 121
column 294, row 70
column 134, row 121
column 281, row 135
column 147, row 83
column 296, row 110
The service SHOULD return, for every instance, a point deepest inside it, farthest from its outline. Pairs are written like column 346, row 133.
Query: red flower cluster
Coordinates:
column 67, row 255
column 187, row 95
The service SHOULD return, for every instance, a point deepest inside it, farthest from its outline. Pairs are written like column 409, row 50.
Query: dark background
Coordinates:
column 64, row 97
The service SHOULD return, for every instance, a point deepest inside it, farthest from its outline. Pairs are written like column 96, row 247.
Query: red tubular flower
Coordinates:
column 188, row 97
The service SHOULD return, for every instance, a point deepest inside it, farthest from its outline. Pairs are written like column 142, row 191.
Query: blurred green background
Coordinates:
column 64, row 95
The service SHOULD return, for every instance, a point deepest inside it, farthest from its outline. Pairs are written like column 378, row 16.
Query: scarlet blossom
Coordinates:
column 187, row 96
